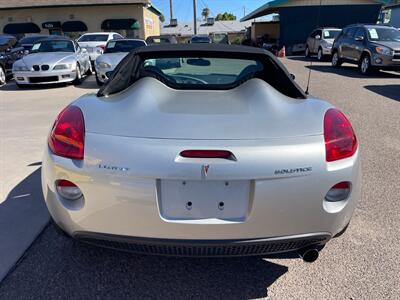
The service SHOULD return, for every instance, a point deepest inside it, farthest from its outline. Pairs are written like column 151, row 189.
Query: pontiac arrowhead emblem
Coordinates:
column 204, row 171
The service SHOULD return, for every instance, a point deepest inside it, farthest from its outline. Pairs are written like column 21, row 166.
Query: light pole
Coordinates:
column 195, row 16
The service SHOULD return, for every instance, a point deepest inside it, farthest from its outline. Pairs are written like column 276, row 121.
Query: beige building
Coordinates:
column 131, row 18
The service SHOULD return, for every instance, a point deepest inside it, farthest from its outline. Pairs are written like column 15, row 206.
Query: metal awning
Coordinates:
column 18, row 28
column 74, row 26
column 51, row 25
column 274, row 6
column 120, row 24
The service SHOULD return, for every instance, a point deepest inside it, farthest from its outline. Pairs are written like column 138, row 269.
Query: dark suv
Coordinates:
column 371, row 47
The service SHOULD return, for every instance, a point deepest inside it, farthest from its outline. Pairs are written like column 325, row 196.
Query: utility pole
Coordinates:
column 244, row 11
column 195, row 16
column 170, row 10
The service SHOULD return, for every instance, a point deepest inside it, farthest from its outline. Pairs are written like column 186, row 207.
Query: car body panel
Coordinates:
column 137, row 184
column 51, row 59
column 351, row 50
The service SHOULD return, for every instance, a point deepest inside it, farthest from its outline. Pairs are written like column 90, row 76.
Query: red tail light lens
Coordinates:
column 207, row 154
column 340, row 140
column 102, row 47
column 68, row 190
column 67, row 138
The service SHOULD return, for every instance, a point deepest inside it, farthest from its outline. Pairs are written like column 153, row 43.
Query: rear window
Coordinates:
column 94, row 38
column 200, row 39
column 123, row 46
column 202, row 72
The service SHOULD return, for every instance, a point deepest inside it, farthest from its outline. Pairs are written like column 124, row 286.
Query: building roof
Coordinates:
column 391, row 6
column 186, row 28
column 274, row 6
column 7, row 4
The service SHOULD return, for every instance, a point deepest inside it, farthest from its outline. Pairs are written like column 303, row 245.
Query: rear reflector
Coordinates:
column 338, row 192
column 68, row 190
column 67, row 138
column 207, row 154
column 340, row 140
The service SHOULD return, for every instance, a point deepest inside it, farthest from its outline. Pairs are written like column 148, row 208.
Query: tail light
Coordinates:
column 103, row 47
column 207, row 154
column 67, row 138
column 338, row 192
column 68, row 190
column 340, row 140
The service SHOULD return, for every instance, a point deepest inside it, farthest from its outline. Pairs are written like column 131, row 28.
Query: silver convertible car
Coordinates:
column 220, row 155
column 55, row 60
column 114, row 52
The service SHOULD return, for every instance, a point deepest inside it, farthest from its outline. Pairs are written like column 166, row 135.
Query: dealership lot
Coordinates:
column 361, row 264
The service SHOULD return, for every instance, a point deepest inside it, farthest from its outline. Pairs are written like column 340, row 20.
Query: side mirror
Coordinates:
column 359, row 38
column 292, row 76
column 318, row 37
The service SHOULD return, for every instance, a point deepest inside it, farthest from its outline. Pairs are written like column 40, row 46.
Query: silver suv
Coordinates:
column 320, row 42
column 371, row 47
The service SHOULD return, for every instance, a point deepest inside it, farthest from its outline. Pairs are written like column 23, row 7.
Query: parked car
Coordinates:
column 220, row 38
column 56, row 60
column 114, row 52
column 371, row 47
column 27, row 42
column 9, row 53
column 200, row 39
column 95, row 43
column 224, row 155
column 162, row 39
column 320, row 42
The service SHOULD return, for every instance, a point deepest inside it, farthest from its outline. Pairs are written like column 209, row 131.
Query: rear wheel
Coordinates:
column 365, row 65
column 90, row 70
column 307, row 52
column 78, row 77
column 2, row 76
column 99, row 83
column 336, row 60
column 320, row 54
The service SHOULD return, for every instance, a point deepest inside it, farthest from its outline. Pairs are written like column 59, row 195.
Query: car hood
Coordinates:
column 254, row 110
column 49, row 58
column 392, row 45
column 112, row 58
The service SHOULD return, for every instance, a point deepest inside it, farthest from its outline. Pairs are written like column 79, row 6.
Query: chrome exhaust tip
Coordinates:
column 309, row 255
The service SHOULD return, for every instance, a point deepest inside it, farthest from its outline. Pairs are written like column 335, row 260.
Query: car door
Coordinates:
column 317, row 41
column 358, row 43
column 82, row 57
column 347, row 42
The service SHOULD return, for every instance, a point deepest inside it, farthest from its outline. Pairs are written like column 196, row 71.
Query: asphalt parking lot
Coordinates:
column 362, row 264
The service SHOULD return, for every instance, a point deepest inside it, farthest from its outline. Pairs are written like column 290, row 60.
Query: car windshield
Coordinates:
column 203, row 72
column 123, row 46
column 200, row 39
column 53, row 46
column 31, row 40
column 93, row 38
column 383, row 34
column 331, row 34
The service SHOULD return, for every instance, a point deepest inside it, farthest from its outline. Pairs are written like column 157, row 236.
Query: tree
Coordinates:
column 162, row 18
column 205, row 13
column 225, row 17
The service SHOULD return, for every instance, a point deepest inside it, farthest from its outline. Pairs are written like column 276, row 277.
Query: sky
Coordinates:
column 183, row 9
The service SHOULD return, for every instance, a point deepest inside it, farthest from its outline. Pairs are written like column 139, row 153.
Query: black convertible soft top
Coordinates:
column 129, row 69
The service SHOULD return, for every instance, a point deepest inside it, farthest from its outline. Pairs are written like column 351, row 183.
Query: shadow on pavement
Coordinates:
column 59, row 267
column 350, row 71
column 23, row 215
column 388, row 91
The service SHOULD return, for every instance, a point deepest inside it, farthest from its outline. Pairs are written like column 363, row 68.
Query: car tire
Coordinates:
column 336, row 60
column 320, row 55
column 99, row 83
column 90, row 70
column 3, row 77
column 307, row 52
column 365, row 65
column 78, row 78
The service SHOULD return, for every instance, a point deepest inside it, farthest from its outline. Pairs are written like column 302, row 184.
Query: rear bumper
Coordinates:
column 127, row 202
column 205, row 248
